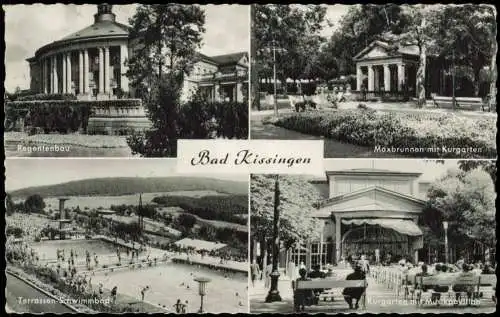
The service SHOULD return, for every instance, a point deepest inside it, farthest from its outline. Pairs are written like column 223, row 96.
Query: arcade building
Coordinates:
column 91, row 64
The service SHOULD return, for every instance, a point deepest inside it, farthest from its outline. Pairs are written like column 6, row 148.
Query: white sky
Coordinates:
column 333, row 14
column 28, row 172
column 29, row 27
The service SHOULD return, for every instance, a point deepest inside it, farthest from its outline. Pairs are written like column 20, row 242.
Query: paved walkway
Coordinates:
column 379, row 300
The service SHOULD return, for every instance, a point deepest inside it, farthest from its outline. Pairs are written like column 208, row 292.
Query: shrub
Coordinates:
column 61, row 116
column 366, row 127
column 46, row 97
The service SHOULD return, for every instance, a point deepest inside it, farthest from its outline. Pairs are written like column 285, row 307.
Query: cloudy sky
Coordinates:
column 333, row 14
column 21, row 173
column 29, row 27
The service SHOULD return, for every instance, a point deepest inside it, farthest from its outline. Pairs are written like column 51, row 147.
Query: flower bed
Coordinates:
column 400, row 130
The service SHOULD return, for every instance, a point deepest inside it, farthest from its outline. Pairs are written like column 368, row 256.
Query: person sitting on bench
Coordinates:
column 468, row 289
column 316, row 273
column 302, row 297
column 351, row 293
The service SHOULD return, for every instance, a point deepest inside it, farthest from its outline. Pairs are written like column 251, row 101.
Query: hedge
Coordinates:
column 63, row 116
column 400, row 130
column 36, row 97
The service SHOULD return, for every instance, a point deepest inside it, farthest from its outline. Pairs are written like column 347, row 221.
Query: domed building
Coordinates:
column 90, row 64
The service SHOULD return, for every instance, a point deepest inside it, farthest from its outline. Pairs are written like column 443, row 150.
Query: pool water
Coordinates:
column 48, row 249
column 224, row 293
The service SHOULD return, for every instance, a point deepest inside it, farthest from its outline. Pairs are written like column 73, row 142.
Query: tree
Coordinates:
column 297, row 197
column 294, row 30
column 168, row 37
column 488, row 166
column 9, row 205
column 467, row 201
column 418, row 31
column 34, row 203
column 186, row 221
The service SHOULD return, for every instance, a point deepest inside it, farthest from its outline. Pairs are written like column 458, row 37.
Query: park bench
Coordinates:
column 449, row 280
column 464, row 103
column 328, row 284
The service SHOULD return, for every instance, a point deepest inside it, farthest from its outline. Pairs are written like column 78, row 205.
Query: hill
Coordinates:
column 115, row 186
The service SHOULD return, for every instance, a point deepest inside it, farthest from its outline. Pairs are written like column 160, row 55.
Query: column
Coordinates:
column 371, row 78
column 51, row 74
column 101, row 70
column 387, row 78
column 107, row 71
column 86, row 68
column 123, row 68
column 80, row 72
column 401, row 76
column 359, row 78
column 46, row 76
column 56, row 81
column 338, row 238
column 321, row 247
column 64, row 73
column 69, row 85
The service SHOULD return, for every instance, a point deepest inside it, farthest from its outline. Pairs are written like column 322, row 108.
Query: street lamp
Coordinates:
column 274, row 294
column 454, row 101
column 445, row 226
column 202, row 289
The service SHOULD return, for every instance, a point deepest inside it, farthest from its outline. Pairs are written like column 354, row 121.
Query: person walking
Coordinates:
column 254, row 271
column 113, row 294
column 269, row 270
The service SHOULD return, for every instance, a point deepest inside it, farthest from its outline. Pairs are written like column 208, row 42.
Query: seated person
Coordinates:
column 468, row 289
column 424, row 272
column 351, row 293
column 316, row 273
column 302, row 297
column 438, row 289
column 488, row 269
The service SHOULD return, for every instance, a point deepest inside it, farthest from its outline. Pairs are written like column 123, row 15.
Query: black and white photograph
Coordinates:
column 124, row 235
column 123, row 80
column 375, row 236
column 377, row 81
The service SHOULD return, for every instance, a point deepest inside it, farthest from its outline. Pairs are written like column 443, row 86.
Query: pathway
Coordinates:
column 379, row 300
column 23, row 298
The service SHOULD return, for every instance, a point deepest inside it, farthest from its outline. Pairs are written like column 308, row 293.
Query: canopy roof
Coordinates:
column 406, row 227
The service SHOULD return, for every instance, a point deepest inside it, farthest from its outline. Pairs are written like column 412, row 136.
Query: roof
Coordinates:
column 371, row 171
column 335, row 199
column 199, row 244
column 221, row 60
column 228, row 59
column 99, row 29
column 401, row 49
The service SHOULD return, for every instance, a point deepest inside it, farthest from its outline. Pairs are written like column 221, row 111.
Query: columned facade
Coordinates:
column 98, row 52
column 380, row 69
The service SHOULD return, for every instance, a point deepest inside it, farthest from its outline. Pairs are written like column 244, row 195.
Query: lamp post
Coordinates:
column 202, row 289
column 275, row 95
column 445, row 226
column 454, row 101
column 274, row 294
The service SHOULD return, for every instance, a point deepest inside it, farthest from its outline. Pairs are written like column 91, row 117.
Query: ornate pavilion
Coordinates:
column 366, row 210
column 91, row 64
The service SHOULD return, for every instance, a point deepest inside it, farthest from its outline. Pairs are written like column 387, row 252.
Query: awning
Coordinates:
column 406, row 227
